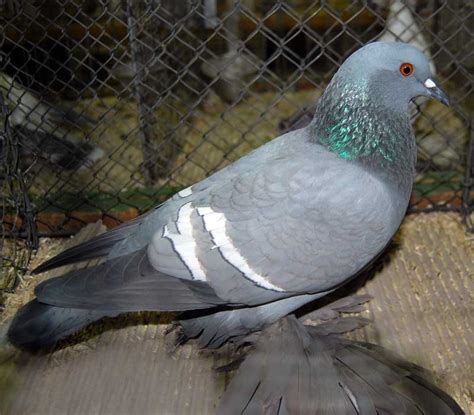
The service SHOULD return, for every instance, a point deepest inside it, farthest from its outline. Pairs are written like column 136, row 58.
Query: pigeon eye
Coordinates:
column 406, row 69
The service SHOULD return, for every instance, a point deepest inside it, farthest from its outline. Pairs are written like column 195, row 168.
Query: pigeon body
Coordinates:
column 286, row 224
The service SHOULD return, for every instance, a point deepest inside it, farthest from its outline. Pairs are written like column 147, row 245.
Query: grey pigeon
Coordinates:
column 285, row 225
column 43, row 129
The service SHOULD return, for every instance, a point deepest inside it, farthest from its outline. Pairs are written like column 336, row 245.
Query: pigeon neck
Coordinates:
column 364, row 131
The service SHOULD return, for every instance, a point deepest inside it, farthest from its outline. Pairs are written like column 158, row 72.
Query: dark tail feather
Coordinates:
column 40, row 326
column 297, row 369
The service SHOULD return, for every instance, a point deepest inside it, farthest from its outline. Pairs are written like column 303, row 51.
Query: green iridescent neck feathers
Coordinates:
column 351, row 122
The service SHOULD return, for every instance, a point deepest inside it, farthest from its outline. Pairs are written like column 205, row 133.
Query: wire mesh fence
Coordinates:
column 113, row 105
column 15, row 209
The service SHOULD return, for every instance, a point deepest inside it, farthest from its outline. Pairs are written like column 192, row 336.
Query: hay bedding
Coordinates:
column 47, row 249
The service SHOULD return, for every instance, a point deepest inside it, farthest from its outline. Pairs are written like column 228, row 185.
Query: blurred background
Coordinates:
column 111, row 106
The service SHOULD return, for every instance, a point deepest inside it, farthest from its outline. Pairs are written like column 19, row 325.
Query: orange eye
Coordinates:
column 406, row 69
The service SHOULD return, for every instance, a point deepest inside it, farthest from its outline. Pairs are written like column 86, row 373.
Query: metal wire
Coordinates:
column 15, row 209
column 114, row 105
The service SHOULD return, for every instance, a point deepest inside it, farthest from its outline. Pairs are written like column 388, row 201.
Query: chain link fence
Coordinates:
column 111, row 106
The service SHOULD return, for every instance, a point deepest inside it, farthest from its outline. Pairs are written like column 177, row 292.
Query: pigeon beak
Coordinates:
column 436, row 92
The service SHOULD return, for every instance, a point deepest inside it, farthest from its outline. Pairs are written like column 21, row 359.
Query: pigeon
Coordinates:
column 287, row 224
column 42, row 129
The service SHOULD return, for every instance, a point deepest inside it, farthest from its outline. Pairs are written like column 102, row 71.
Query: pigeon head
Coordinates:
column 363, row 115
column 394, row 72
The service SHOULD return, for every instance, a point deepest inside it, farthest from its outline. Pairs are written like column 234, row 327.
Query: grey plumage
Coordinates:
column 48, row 325
column 297, row 369
column 128, row 283
column 288, row 223
column 215, row 329
column 401, row 25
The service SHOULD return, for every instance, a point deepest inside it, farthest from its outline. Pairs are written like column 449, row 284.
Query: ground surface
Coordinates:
column 422, row 309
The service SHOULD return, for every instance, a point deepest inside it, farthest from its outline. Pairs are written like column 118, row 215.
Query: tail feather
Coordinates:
column 296, row 369
column 39, row 326
column 285, row 373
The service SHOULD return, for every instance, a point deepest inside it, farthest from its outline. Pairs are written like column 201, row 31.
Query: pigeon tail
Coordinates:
column 39, row 326
column 297, row 369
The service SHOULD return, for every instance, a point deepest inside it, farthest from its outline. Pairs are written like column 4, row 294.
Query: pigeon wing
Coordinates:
column 128, row 283
column 302, row 223
column 287, row 220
